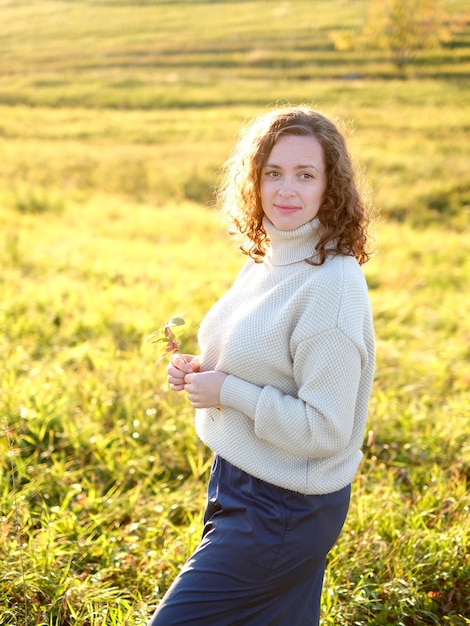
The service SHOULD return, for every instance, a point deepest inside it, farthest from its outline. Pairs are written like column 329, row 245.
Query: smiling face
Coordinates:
column 293, row 181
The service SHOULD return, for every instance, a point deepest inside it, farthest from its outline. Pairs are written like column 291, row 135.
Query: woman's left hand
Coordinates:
column 203, row 388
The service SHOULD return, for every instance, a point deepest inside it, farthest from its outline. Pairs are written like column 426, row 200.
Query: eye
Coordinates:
column 306, row 175
column 271, row 174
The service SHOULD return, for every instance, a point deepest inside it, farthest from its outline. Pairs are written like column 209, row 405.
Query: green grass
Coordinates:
column 114, row 120
column 109, row 477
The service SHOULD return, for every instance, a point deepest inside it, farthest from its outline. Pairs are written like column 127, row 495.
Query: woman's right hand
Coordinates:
column 179, row 367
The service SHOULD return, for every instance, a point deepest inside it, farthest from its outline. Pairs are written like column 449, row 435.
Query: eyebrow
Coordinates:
column 297, row 167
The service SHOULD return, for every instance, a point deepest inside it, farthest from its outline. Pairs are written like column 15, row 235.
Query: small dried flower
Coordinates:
column 166, row 336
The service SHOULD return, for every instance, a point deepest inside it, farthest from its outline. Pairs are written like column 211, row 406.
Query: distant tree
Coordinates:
column 404, row 26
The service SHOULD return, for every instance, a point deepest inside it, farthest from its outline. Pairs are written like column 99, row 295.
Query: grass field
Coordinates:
column 114, row 119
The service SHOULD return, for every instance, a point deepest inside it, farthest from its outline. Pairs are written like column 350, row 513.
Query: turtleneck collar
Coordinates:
column 292, row 246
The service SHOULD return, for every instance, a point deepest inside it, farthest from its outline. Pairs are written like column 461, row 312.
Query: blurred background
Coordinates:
column 115, row 117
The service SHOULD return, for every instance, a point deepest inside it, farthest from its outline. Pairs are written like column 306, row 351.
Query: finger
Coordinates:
column 176, row 387
column 174, row 372
column 175, row 380
column 195, row 363
column 198, row 404
column 181, row 364
column 194, row 401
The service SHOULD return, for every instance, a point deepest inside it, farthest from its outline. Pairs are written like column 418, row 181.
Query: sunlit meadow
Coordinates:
column 114, row 119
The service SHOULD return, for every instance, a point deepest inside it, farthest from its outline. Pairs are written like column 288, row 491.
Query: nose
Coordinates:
column 287, row 188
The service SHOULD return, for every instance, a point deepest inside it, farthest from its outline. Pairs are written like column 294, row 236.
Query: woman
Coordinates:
column 281, row 388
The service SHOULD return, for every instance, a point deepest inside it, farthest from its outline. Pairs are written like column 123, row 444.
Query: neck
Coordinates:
column 292, row 246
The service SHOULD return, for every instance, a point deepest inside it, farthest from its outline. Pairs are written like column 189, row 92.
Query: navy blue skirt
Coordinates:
column 262, row 556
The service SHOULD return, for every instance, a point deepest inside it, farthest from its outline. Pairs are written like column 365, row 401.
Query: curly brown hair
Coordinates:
column 344, row 213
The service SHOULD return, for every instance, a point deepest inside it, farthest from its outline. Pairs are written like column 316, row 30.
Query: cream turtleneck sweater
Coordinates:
column 297, row 342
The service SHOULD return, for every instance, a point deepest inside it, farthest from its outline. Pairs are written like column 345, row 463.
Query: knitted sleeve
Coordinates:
column 318, row 422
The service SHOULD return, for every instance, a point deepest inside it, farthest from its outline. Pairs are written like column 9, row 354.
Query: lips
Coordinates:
column 286, row 208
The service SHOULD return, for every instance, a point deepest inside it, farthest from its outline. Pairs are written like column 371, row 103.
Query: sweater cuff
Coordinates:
column 240, row 394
